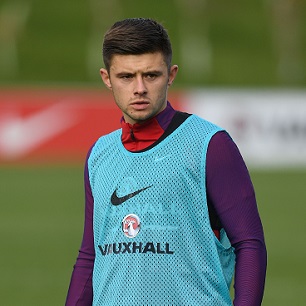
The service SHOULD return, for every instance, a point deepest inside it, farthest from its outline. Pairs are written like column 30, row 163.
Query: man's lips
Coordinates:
column 140, row 105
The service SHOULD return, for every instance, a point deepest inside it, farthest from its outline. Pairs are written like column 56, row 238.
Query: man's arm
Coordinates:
column 80, row 289
column 231, row 193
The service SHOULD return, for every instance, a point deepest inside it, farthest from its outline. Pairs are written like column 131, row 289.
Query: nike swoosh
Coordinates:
column 36, row 128
column 115, row 200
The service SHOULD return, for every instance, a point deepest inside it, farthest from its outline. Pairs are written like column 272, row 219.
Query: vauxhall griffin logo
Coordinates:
column 131, row 225
column 115, row 200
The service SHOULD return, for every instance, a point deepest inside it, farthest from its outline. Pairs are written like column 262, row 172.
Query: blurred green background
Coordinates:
column 216, row 44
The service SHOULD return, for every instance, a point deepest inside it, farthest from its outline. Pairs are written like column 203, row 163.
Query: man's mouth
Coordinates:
column 140, row 105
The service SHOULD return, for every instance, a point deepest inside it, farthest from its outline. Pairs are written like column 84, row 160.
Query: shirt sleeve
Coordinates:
column 232, row 195
column 80, row 290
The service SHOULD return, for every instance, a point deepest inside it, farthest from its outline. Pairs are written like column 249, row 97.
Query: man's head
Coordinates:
column 137, row 56
column 136, row 36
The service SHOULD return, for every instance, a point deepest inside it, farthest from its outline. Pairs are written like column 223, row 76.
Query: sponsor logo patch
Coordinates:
column 136, row 248
column 131, row 225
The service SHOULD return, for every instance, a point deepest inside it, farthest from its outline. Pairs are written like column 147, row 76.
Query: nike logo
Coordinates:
column 158, row 159
column 115, row 200
column 19, row 136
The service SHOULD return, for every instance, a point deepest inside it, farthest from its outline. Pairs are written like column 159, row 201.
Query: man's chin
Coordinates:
column 139, row 118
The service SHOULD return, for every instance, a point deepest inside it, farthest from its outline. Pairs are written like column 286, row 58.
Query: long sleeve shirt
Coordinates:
column 230, row 193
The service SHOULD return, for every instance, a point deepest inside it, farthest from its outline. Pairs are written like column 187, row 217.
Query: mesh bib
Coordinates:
column 152, row 235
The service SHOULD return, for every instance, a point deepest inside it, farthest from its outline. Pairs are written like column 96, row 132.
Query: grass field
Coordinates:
column 41, row 226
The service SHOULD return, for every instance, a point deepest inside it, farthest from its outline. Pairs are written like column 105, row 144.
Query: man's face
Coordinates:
column 139, row 84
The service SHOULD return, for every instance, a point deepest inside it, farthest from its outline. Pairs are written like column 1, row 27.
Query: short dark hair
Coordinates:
column 134, row 36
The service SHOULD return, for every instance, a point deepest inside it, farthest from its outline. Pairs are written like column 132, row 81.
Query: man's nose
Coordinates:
column 140, row 86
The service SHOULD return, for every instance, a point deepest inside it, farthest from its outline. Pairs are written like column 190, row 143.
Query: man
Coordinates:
column 170, row 208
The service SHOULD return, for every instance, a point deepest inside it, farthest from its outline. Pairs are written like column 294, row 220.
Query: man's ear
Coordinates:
column 172, row 74
column 105, row 78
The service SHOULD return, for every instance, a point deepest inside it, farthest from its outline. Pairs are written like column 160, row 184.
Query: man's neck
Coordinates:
column 137, row 137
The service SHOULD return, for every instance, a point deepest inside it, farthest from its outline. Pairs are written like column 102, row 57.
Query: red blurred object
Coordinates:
column 54, row 125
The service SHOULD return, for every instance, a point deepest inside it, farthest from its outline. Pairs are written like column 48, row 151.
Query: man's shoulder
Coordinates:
column 198, row 122
column 106, row 140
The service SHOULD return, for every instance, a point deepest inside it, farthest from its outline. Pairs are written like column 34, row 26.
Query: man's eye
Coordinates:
column 126, row 77
column 151, row 76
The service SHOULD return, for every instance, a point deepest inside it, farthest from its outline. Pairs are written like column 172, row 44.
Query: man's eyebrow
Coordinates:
column 156, row 72
column 124, row 73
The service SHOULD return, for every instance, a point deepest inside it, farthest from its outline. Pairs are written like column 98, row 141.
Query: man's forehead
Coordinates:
column 145, row 62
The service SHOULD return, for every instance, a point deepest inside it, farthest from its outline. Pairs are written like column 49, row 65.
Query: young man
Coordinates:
column 170, row 208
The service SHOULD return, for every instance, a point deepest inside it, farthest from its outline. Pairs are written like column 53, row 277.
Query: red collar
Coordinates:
column 139, row 136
